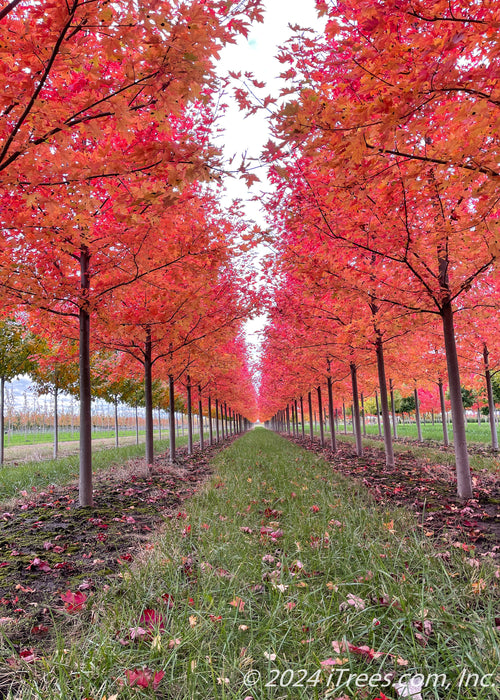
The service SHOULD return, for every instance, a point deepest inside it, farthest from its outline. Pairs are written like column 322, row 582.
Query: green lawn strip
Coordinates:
column 235, row 599
column 47, row 437
column 38, row 475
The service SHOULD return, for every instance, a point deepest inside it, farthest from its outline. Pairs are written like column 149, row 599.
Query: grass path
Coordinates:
column 282, row 580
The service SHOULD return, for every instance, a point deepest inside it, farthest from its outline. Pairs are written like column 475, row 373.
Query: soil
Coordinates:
column 49, row 545
column 427, row 489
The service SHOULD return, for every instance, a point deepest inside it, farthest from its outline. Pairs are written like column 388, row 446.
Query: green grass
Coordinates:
column 47, row 437
column 342, row 570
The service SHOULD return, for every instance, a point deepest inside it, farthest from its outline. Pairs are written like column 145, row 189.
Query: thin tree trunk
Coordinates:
column 363, row 413
column 378, row 414
column 393, row 409
column 464, row 481
column 417, row 415
column 288, row 419
column 491, row 402
column 148, row 395
column 200, row 413
column 345, row 417
column 302, row 417
column 389, row 448
column 115, row 402
column 85, row 476
column 217, row 437
column 2, row 419
column 136, row 425
column 355, row 407
column 171, row 416
column 210, row 430
column 320, row 411
column 189, row 417
column 56, row 424
column 333, row 440
column 311, row 417
column 446, row 441
column 297, row 417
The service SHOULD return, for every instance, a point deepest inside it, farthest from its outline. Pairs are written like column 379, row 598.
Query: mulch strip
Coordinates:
column 427, row 489
column 50, row 546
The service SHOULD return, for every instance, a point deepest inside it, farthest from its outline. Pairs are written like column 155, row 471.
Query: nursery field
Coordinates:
column 260, row 570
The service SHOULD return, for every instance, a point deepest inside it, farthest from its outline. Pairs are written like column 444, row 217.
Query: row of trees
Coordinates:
column 112, row 234
column 386, row 207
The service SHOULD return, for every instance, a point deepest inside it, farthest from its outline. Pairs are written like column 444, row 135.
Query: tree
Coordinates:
column 17, row 346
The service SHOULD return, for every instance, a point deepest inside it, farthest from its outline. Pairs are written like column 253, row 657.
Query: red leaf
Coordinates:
column 150, row 618
column 73, row 602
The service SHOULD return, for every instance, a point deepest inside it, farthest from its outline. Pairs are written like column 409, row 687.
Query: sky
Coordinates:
column 257, row 54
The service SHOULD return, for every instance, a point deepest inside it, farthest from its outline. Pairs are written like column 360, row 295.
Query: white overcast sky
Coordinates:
column 257, row 54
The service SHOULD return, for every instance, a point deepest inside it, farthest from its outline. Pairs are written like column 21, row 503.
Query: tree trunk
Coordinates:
column 345, row 417
column 56, row 424
column 2, row 419
column 355, row 407
column 417, row 415
column 171, row 416
column 331, row 416
column 446, row 441
column 378, row 414
column 311, row 417
column 297, row 417
column 148, row 396
column 389, row 448
column 115, row 402
column 210, row 430
column 464, row 481
column 217, row 437
column 491, row 402
column 302, row 417
column 393, row 409
column 200, row 413
column 363, row 413
column 320, row 411
column 85, row 476
column 189, row 417
column 136, row 425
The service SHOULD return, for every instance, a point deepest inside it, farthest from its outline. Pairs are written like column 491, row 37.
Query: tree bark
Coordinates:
column 389, row 448
column 171, row 416
column 136, row 425
column 303, row 427
column 311, row 420
column 210, row 430
column 355, row 408
column 2, row 419
column 217, row 437
column 200, row 414
column 189, row 417
column 491, row 401
column 446, row 441
column 115, row 402
column 85, row 476
column 417, row 415
column 333, row 440
column 363, row 413
column 345, row 417
column 148, row 398
column 320, row 411
column 393, row 409
column 464, row 481
column 378, row 414
column 56, row 423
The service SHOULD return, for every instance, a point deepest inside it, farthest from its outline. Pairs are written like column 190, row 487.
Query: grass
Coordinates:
column 39, row 475
column 239, row 605
column 47, row 437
